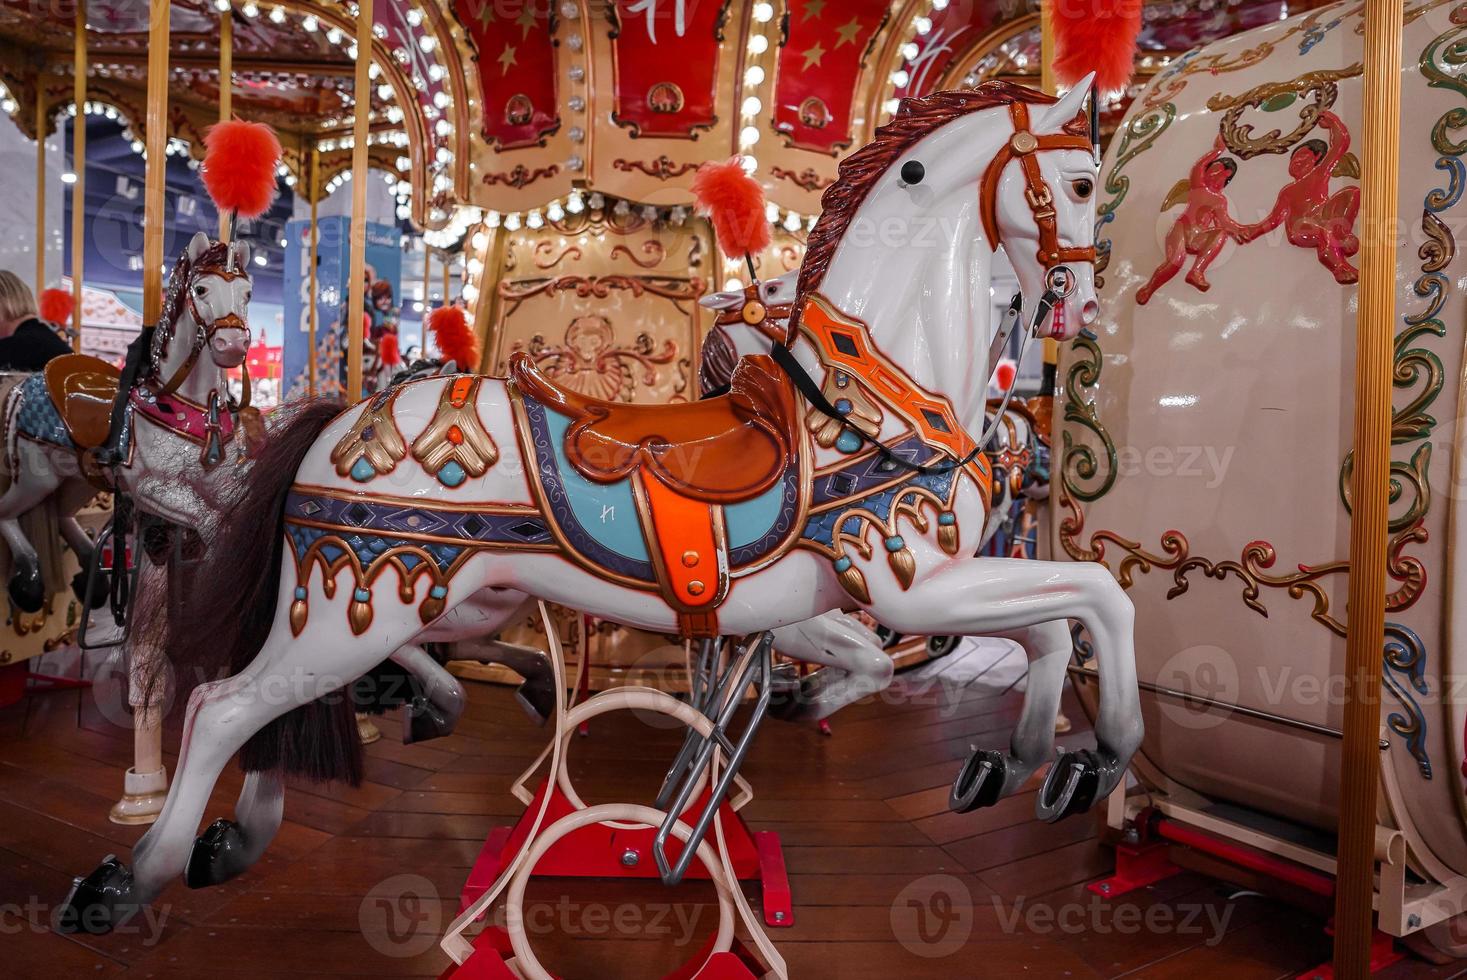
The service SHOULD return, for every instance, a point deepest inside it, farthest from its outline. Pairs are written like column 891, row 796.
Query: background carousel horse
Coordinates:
column 1205, row 451
column 712, row 518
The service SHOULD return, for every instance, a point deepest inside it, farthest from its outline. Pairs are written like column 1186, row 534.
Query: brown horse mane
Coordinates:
column 859, row 172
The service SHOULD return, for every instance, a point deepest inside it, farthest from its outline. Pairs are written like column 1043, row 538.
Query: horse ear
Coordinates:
column 1067, row 108
column 197, row 246
column 722, row 301
column 242, row 256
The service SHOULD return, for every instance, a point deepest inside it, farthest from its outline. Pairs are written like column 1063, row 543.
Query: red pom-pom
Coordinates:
column 56, row 306
column 239, row 167
column 1098, row 36
column 387, row 350
column 456, row 342
column 734, row 202
column 1004, row 375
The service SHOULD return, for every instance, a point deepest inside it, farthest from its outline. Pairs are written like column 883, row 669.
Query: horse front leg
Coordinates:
column 994, row 595
column 852, row 665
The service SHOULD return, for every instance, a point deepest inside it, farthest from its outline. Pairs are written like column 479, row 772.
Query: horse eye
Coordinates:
column 200, row 290
column 1083, row 188
column 913, row 172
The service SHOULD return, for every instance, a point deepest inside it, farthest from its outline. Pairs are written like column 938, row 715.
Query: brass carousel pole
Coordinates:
column 79, row 167
column 41, row 127
column 157, row 164
column 226, row 87
column 313, row 185
column 356, row 304
column 1369, row 488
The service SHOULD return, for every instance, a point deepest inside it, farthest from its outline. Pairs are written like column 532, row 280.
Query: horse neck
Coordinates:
column 205, row 376
column 925, row 303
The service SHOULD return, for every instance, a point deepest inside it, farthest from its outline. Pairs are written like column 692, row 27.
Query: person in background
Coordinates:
column 26, row 342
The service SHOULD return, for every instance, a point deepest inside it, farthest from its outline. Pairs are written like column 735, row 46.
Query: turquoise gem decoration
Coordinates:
column 362, row 595
column 848, row 441
column 438, row 591
column 300, row 592
column 947, row 518
column 363, row 471
column 895, row 543
column 842, row 563
column 451, row 474
column 843, row 405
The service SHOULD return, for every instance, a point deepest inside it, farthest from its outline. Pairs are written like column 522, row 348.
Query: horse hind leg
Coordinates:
column 228, row 847
column 438, row 699
column 989, row 775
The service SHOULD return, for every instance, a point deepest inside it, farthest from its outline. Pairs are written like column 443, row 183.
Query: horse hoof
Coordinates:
column 537, row 697
column 100, row 589
column 979, row 783
column 99, row 902
column 1070, row 786
column 218, row 855
column 26, row 589
column 424, row 722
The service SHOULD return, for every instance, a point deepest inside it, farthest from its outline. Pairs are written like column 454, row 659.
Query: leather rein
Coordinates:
column 203, row 334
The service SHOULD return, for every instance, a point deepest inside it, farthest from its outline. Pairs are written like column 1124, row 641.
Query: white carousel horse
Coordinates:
column 712, row 518
column 181, row 457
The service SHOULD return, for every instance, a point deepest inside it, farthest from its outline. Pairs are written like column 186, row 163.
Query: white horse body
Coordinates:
column 921, row 306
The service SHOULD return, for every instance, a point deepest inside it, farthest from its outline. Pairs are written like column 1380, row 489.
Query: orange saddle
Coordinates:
column 720, row 450
column 83, row 390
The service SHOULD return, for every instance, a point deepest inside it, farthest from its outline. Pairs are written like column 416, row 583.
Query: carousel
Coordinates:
column 730, row 489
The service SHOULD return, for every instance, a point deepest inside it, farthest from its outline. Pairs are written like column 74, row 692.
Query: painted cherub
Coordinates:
column 1203, row 227
column 1313, row 217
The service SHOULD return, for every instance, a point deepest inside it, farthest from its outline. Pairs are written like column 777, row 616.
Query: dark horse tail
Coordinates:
column 230, row 604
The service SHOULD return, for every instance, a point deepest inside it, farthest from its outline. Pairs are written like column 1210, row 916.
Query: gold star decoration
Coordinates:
column 847, row 32
column 526, row 20
column 485, row 14
column 813, row 56
column 813, row 9
column 506, row 59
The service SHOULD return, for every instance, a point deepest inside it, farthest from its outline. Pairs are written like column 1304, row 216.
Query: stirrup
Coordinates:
column 749, row 665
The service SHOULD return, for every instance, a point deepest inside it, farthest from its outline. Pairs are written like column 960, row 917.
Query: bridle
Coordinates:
column 754, row 312
column 204, row 332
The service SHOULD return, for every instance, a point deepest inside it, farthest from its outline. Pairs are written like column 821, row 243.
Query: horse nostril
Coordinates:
column 1090, row 312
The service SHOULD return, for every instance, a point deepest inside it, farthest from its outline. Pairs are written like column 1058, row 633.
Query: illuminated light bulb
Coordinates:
column 394, row 114
column 471, row 292
column 900, row 78
column 427, row 43
column 222, row 6
column 754, row 76
column 750, row 163
column 556, row 211
column 574, row 204
column 492, row 220
column 443, row 127
column 534, row 219
column 444, row 155
column 758, row 44
column 752, row 106
column 333, row 35
column 763, row 12
column 351, row 51
column 441, row 99
column 68, row 177
column 922, row 25
column 437, row 72
column 910, row 50
column 771, row 211
column 892, row 105
column 250, row 10
column 732, row 284
column 749, row 135
column 277, row 15
column 512, row 222
column 384, row 91
column 404, row 212
column 414, row 17
column 309, row 24
column 939, row 4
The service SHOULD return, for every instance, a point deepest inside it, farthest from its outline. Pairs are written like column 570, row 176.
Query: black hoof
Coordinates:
column 99, row 902
column 218, row 855
column 27, row 590
column 979, row 783
column 1069, row 787
column 424, row 722
column 537, row 697
column 100, row 589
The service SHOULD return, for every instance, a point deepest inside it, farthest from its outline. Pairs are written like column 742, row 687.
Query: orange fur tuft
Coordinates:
column 56, row 306
column 456, row 342
column 387, row 350
column 734, row 202
column 239, row 167
column 1098, row 36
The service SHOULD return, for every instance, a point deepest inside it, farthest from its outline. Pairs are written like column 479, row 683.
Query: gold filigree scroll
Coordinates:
column 600, row 287
column 1318, row 87
column 589, row 359
column 1251, row 568
column 455, row 445
column 652, row 250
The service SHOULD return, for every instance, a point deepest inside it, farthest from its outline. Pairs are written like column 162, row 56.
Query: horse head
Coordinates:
column 205, row 312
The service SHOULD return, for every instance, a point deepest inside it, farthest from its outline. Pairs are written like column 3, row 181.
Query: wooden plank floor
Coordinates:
column 886, row 882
